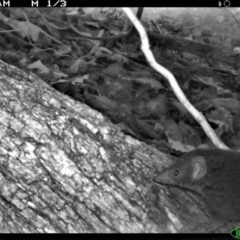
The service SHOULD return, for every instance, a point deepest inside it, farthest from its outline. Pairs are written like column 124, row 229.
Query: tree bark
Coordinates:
column 65, row 168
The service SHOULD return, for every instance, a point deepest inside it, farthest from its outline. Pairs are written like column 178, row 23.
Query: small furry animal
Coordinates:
column 212, row 173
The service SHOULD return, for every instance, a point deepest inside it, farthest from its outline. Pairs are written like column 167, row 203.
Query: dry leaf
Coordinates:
column 114, row 69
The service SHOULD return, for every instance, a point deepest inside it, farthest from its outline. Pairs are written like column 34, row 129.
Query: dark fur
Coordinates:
column 219, row 188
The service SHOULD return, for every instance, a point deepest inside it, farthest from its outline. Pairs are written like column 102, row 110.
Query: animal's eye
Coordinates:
column 176, row 172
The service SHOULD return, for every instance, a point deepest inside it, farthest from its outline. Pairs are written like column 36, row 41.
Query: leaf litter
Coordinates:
column 199, row 46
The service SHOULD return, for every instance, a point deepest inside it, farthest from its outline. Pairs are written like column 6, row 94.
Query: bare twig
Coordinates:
column 198, row 116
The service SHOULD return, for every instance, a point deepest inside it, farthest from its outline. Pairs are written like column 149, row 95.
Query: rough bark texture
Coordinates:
column 65, row 168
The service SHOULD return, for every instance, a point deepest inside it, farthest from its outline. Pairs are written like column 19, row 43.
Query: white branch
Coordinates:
column 198, row 116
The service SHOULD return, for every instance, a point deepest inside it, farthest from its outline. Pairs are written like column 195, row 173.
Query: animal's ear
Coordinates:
column 199, row 167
